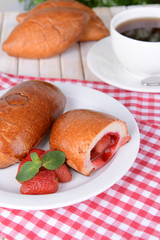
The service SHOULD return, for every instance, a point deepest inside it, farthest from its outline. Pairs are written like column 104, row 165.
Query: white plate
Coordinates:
column 81, row 187
column 103, row 63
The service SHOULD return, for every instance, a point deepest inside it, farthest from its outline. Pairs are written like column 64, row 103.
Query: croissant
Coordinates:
column 95, row 30
column 46, row 33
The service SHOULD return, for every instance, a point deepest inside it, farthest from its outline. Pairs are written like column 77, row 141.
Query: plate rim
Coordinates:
column 68, row 200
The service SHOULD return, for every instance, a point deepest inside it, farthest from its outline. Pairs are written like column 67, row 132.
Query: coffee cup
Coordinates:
column 140, row 56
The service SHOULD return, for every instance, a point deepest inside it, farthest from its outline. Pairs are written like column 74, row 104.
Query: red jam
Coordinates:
column 104, row 150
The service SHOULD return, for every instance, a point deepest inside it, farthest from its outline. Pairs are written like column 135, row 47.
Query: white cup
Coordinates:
column 139, row 57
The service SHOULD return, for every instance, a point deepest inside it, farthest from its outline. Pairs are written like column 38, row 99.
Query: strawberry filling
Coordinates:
column 104, row 150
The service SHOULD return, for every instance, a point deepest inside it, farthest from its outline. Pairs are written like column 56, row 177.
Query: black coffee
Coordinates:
column 143, row 29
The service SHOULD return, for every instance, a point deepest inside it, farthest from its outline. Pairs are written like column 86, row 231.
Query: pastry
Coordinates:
column 27, row 112
column 46, row 33
column 95, row 29
column 88, row 138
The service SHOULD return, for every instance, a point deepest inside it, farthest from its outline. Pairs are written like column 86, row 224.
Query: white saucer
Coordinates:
column 103, row 63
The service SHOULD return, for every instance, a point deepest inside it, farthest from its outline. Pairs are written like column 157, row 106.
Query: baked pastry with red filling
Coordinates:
column 88, row 138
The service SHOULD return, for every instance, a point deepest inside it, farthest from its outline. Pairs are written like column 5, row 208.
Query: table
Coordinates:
column 129, row 209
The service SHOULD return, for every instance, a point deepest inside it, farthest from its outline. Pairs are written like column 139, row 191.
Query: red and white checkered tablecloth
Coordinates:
column 130, row 209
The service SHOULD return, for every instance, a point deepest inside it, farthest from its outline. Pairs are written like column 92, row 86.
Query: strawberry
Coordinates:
column 37, row 175
column 28, row 157
column 63, row 174
column 102, row 144
column 44, row 182
column 102, row 159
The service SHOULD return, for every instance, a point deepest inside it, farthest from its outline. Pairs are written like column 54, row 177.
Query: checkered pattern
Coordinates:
column 128, row 210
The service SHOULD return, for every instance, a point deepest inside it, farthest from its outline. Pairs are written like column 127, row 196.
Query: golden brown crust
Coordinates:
column 46, row 33
column 95, row 29
column 27, row 112
column 73, row 133
column 55, row 3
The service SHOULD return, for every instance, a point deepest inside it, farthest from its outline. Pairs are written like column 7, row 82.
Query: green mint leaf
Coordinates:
column 36, row 160
column 53, row 160
column 27, row 171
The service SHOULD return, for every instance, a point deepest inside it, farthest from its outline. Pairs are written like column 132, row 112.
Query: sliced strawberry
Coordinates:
column 39, row 152
column 102, row 144
column 103, row 154
column 28, row 157
column 63, row 174
column 103, row 159
column 43, row 183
